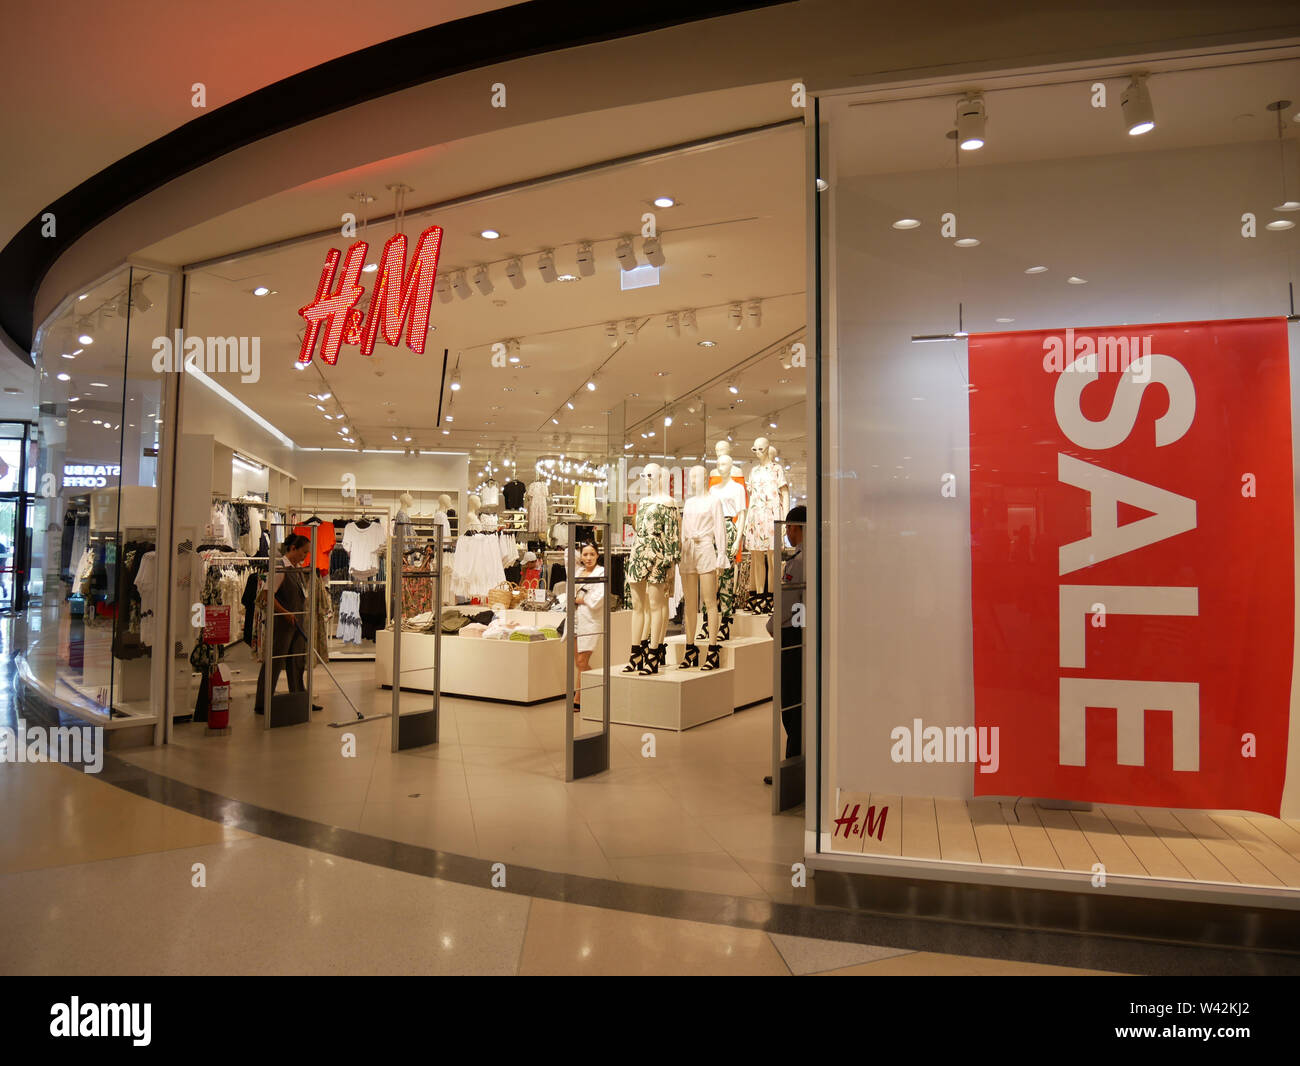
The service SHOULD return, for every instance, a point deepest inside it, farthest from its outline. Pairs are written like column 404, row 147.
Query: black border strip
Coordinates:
column 847, row 908
column 532, row 28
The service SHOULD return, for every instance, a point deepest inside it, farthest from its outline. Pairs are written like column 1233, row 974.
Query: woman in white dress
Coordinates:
column 587, row 599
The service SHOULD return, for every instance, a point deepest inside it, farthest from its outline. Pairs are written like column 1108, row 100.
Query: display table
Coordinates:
column 510, row 670
column 671, row 699
column 750, row 657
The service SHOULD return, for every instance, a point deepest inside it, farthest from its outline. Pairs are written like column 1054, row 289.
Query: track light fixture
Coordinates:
column 970, row 122
column 460, row 284
column 771, row 420
column 455, row 380
column 735, row 317
column 626, row 254
column 1139, row 115
column 733, row 387
column 674, row 327
column 139, row 298
column 443, row 288
column 629, row 328
column 688, row 320
column 546, row 265
column 653, row 251
column 481, row 280
column 611, row 333
column 591, row 385
column 515, row 272
column 586, row 259
column 755, row 313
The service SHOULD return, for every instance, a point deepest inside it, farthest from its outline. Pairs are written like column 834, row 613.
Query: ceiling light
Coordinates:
column 329, row 418
column 66, row 355
column 1280, row 224
column 567, row 277
column 515, row 272
column 546, row 265
column 370, row 268
column 460, row 285
column 1290, row 205
column 707, row 344
column 443, row 288
column 406, row 440
column 671, row 322
column 555, row 421
column 733, row 387
column 1004, row 321
column 1036, row 270
column 568, row 404
column 591, row 385
column 489, row 234
column 455, row 380
column 446, row 432
column 970, row 122
column 755, row 313
column 735, row 317
column 653, row 251
column 1139, row 115
column 261, row 290
column 822, row 185
column 83, row 296
column 449, row 417
column 586, row 259
column 629, row 328
column 1076, row 281
column 64, row 377
column 668, row 419
column 771, row 421
column 966, row 242
column 664, row 201
column 77, row 351
column 481, row 280
column 320, row 407
column 394, row 436
column 85, row 338
column 907, row 223
column 625, row 254
column 139, row 298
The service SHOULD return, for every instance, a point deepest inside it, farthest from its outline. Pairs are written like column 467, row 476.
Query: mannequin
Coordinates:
column 472, row 523
column 769, row 501
column 405, row 505
column 440, row 517
column 649, row 572
column 704, row 555
column 728, row 486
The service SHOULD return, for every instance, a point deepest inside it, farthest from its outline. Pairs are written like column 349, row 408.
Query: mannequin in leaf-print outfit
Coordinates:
column 649, row 573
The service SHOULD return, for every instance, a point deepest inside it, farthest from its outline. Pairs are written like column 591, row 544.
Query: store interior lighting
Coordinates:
column 625, row 254
column 482, row 281
column 515, row 272
column 461, row 285
column 1139, row 115
column 735, row 317
column 586, row 259
column 653, row 251
column 442, row 286
column 546, row 265
column 971, row 120
column 755, row 313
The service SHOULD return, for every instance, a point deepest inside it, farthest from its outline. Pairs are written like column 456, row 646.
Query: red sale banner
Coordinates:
column 1132, row 563
column 216, row 625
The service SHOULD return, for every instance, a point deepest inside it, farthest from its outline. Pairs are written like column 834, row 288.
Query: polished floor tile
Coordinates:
column 933, row 964
column 807, row 956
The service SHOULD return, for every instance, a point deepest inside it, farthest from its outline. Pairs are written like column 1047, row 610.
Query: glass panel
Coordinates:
column 958, row 478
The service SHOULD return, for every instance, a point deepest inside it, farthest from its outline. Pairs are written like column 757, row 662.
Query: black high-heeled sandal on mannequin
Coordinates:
column 712, row 660
column 650, row 661
column 637, row 657
column 691, row 658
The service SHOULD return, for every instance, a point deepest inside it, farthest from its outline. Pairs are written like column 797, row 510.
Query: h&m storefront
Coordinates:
column 1019, row 341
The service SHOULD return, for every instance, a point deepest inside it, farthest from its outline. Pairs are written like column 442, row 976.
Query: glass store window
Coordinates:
column 1058, row 438
column 96, row 509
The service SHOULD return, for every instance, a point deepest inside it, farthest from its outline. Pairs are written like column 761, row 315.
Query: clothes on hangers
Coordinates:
column 537, row 495
column 585, row 500
column 477, row 566
column 363, row 544
column 349, row 625
column 325, row 540
column 513, row 493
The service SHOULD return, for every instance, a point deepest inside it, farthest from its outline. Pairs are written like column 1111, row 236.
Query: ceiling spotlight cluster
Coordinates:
column 570, row 471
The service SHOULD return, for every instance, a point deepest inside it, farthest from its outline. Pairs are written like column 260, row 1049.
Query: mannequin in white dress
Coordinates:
column 704, row 554
column 769, row 501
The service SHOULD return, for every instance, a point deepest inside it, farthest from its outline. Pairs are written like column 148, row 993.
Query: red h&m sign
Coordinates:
column 400, row 299
column 1132, row 562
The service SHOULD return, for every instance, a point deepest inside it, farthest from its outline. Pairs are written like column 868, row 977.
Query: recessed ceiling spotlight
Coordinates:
column 406, row 440
column 1280, row 224
column 1076, row 280
column 970, row 122
column 83, row 296
column 455, row 380
column 1036, row 270
column 370, row 268
column 733, row 387
column 85, row 338
column 555, row 421
column 707, row 344
column 1139, row 115
column 907, row 223
column 664, row 201
column 591, row 385
column 489, row 234
column 966, row 242
column 261, row 290
column 568, row 404
column 64, row 377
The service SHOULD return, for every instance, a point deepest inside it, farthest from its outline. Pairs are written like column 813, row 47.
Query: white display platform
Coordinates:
column 620, row 625
column 671, row 699
column 750, row 657
column 510, row 670
column 744, row 624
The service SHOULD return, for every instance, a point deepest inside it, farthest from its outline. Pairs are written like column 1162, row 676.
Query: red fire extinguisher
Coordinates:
column 218, row 699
